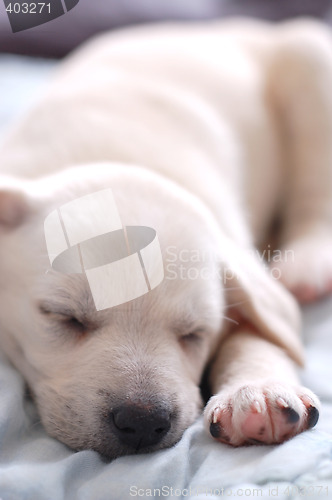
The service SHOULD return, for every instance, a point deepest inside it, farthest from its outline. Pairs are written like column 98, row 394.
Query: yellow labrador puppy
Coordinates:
column 206, row 133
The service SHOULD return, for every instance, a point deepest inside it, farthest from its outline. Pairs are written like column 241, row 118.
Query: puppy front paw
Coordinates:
column 267, row 414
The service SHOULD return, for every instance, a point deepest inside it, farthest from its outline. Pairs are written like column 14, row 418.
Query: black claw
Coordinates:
column 217, row 431
column 313, row 416
column 291, row 415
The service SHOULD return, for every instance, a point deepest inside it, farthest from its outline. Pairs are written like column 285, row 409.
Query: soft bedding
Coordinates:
column 34, row 466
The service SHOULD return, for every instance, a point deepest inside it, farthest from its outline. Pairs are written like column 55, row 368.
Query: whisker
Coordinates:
column 237, row 304
column 231, row 320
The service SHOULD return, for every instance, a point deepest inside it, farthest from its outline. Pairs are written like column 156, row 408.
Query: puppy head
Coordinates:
column 124, row 379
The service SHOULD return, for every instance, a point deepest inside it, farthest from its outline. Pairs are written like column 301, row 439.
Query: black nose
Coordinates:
column 138, row 426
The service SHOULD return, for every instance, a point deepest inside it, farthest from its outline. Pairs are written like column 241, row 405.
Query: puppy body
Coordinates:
column 196, row 129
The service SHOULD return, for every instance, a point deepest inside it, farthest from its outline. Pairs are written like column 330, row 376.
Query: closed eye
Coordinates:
column 193, row 338
column 74, row 324
column 190, row 337
column 66, row 319
column 194, row 333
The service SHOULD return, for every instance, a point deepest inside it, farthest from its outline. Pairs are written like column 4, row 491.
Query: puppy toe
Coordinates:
column 220, row 423
column 312, row 406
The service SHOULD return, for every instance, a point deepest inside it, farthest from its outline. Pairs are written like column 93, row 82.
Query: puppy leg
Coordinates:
column 258, row 397
column 301, row 83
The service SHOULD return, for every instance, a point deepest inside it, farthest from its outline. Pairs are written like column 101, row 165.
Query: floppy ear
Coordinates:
column 14, row 203
column 261, row 300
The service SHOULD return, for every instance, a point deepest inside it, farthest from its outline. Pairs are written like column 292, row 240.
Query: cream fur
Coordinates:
column 204, row 132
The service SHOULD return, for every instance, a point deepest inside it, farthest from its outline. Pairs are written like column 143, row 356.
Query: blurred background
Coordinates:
column 27, row 58
column 58, row 37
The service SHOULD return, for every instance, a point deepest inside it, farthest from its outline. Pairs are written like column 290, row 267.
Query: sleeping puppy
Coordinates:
column 205, row 133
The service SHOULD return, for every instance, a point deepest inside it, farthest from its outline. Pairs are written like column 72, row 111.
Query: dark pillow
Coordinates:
column 57, row 37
